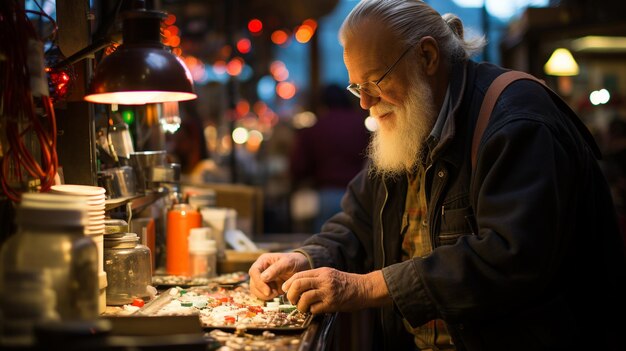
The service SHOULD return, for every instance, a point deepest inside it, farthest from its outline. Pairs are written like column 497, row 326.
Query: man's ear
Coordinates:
column 430, row 55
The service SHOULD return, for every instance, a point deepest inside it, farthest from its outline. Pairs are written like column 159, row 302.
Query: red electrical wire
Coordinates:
column 24, row 128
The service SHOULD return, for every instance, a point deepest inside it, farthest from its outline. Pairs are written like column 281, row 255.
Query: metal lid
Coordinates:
column 121, row 240
column 112, row 226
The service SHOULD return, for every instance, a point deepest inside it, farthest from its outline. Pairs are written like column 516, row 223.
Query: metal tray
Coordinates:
column 225, row 280
column 155, row 306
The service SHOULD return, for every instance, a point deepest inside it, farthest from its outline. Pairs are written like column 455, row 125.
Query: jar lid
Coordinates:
column 206, row 246
column 121, row 240
column 115, row 226
column 199, row 233
column 52, row 210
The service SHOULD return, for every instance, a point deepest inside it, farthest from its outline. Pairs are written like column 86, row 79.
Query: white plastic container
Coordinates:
column 202, row 253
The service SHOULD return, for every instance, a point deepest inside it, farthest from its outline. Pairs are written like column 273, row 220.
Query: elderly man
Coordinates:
column 520, row 251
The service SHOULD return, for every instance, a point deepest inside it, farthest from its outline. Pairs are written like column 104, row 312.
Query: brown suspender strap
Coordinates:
column 493, row 92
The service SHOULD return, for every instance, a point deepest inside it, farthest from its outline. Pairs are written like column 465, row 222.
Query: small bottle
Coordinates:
column 202, row 253
column 180, row 219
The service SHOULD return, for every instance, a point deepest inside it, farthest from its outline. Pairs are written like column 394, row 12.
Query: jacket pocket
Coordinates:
column 455, row 223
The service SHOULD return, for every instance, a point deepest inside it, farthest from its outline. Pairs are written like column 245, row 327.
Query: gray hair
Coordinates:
column 411, row 20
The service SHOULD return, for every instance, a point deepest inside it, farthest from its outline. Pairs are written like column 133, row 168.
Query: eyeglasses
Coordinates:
column 371, row 88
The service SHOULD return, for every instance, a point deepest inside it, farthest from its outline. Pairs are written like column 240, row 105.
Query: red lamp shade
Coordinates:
column 141, row 70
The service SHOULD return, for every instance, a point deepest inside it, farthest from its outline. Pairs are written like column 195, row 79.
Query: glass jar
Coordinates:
column 49, row 257
column 128, row 268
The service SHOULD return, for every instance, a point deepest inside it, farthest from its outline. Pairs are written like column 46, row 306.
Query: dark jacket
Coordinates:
column 526, row 252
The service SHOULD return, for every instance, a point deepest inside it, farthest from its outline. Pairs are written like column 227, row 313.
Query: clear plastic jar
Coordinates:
column 128, row 268
column 48, row 258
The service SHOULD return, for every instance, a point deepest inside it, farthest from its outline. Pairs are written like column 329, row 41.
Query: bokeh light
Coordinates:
column 244, row 45
column 240, row 135
column 234, row 66
column 279, row 37
column 286, row 90
column 371, row 124
column 255, row 26
column 266, row 87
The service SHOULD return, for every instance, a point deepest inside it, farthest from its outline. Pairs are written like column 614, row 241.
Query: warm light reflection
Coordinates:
column 311, row 23
column 211, row 136
column 138, row 97
column 259, row 107
column 225, row 51
column 255, row 138
column 286, row 90
column 243, row 107
column 234, row 66
column 279, row 37
column 561, row 63
column 219, row 67
column 599, row 97
column 304, row 119
column 174, row 41
column 599, row 43
column 240, row 135
column 255, row 26
column 173, row 30
column 279, row 71
column 371, row 124
column 170, row 19
column 243, row 45
column 304, row 33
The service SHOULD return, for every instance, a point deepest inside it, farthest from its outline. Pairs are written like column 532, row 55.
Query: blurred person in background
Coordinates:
column 326, row 156
column 188, row 147
column 520, row 252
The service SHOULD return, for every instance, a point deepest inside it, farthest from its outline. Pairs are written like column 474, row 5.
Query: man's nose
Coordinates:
column 368, row 101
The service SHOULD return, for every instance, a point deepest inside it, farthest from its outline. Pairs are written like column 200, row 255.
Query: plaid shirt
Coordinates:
column 416, row 243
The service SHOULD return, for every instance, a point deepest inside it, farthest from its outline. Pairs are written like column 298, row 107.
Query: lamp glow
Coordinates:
column 561, row 63
column 141, row 70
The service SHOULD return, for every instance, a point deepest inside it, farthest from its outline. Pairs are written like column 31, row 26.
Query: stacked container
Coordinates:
column 94, row 228
column 48, row 269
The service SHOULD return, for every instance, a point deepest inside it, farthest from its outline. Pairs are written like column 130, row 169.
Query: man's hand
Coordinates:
column 271, row 270
column 329, row 290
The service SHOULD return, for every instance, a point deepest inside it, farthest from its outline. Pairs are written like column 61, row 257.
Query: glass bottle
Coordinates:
column 128, row 267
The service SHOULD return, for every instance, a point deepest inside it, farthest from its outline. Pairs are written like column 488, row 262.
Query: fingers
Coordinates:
column 280, row 267
column 311, row 301
column 269, row 272
column 259, row 286
column 304, row 274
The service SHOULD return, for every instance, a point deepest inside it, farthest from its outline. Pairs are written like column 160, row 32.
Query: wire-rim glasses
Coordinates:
column 371, row 88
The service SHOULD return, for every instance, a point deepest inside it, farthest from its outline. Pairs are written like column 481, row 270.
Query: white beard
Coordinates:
column 396, row 145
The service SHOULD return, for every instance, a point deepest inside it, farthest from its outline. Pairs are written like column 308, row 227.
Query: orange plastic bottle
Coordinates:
column 180, row 219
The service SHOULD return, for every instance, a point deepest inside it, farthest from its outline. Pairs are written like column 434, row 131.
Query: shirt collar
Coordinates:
column 435, row 134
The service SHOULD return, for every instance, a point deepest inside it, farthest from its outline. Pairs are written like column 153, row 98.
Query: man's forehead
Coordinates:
column 370, row 36
column 368, row 51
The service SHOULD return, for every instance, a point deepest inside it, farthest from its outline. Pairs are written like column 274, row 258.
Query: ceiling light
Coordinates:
column 599, row 43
